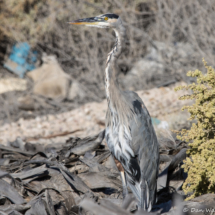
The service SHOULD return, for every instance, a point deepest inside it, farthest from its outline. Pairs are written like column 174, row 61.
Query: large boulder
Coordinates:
column 76, row 91
column 50, row 80
column 159, row 66
column 142, row 73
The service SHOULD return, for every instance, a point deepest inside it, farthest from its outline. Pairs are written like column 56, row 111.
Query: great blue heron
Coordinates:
column 129, row 131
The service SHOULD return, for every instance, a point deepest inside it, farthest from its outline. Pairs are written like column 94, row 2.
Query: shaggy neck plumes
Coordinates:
column 110, row 71
column 116, row 51
column 117, row 102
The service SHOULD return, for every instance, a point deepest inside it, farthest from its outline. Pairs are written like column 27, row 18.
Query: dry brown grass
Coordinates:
column 82, row 51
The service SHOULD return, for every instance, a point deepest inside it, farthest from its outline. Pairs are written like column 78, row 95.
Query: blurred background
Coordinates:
column 52, row 74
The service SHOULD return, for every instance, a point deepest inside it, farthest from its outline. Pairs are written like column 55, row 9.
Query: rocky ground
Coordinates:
column 89, row 119
column 57, row 161
column 80, row 177
column 53, row 159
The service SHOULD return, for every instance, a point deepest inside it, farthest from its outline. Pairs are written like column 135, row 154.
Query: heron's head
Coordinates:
column 108, row 20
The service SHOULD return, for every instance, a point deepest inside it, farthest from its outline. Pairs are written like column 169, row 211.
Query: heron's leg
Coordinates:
column 145, row 201
column 142, row 202
column 124, row 185
column 123, row 178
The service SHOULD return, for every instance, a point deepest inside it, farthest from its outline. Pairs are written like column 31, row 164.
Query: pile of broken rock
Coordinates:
column 80, row 177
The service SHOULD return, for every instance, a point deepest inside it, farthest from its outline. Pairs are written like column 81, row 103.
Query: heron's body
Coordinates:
column 135, row 148
column 129, row 131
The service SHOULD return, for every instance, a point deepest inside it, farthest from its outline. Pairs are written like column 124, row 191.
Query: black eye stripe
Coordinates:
column 111, row 16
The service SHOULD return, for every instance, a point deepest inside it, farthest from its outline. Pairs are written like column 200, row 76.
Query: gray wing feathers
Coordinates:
column 145, row 147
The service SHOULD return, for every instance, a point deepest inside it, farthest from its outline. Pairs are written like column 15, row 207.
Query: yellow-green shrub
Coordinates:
column 200, row 163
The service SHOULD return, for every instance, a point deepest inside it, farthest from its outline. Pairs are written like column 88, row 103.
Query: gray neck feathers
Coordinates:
column 117, row 49
column 118, row 106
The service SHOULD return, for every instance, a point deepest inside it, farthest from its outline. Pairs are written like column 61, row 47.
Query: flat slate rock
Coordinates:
column 79, row 177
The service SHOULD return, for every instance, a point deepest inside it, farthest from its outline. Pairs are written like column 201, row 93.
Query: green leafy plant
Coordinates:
column 200, row 162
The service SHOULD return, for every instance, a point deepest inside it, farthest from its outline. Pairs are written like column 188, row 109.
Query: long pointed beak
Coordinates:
column 86, row 21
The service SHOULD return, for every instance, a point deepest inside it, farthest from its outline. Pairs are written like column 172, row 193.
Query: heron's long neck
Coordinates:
column 113, row 92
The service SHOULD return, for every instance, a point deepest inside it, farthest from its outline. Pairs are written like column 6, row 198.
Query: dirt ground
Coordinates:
column 54, row 122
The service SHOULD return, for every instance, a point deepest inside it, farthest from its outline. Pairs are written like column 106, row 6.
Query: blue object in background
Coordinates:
column 21, row 59
column 155, row 121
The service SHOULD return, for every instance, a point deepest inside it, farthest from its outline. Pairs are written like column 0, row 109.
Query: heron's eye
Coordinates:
column 106, row 18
